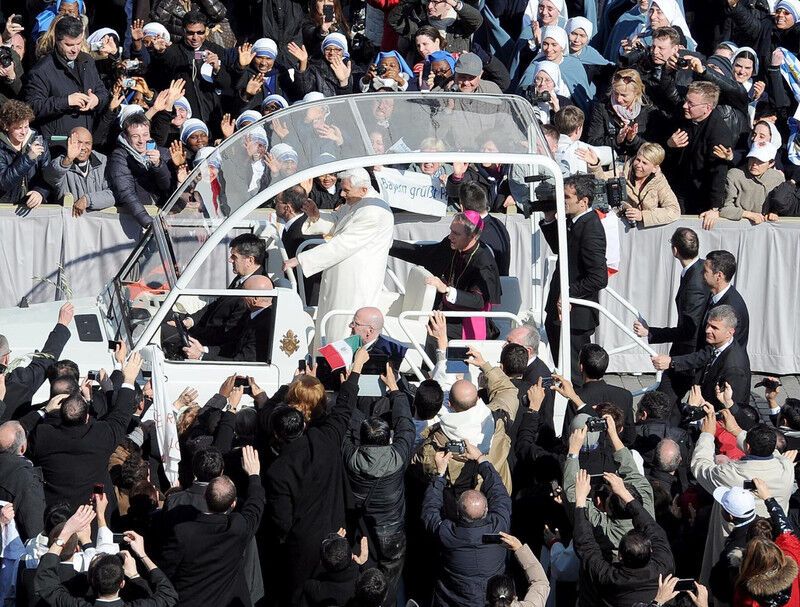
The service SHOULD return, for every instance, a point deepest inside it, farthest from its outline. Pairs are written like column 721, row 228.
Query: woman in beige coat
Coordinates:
column 500, row 589
column 651, row 200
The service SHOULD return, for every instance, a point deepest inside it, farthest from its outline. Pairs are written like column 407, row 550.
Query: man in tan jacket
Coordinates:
column 469, row 418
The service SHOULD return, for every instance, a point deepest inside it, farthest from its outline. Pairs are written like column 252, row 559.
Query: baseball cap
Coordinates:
column 469, row 64
column 764, row 153
column 736, row 501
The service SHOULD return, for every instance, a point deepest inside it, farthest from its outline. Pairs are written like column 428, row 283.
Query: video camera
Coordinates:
column 6, row 58
column 609, row 193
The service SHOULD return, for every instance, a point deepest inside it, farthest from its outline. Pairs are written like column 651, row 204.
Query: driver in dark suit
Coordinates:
column 251, row 340
column 288, row 208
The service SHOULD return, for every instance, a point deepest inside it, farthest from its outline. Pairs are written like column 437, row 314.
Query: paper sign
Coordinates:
column 413, row 192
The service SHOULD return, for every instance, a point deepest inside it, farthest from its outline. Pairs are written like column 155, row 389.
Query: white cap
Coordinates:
column 736, row 501
column 764, row 153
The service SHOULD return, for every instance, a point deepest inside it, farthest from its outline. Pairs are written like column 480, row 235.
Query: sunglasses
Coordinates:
column 625, row 79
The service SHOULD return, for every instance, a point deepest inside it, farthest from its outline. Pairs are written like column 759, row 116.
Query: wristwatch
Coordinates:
column 60, row 543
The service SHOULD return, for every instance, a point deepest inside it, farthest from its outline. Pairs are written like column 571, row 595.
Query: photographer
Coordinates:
column 23, row 156
column 650, row 199
column 548, row 93
column 10, row 74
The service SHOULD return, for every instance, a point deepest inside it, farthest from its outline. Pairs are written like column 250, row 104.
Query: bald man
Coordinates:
column 367, row 323
column 80, row 173
column 467, row 562
column 20, row 484
column 252, row 339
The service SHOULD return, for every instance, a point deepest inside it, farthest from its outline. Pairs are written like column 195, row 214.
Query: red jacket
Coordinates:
column 390, row 37
column 790, row 545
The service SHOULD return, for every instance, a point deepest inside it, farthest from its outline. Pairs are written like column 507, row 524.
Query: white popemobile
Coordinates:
column 181, row 261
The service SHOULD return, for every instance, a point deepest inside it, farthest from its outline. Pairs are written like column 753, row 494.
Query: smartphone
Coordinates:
column 327, row 13
column 492, row 538
column 151, row 145
column 301, row 365
column 749, row 486
column 684, row 585
column 93, row 375
column 112, row 344
column 547, row 382
column 457, row 353
column 98, row 489
column 39, row 139
column 118, row 538
column 244, row 383
column 555, row 489
column 147, row 374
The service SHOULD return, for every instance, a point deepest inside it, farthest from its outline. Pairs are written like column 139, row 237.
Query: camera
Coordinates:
column 682, row 63
column 533, row 97
column 131, row 65
column 769, row 384
column 456, row 446
column 6, row 59
column 596, row 424
column 380, row 70
column 93, row 375
column 609, row 193
column 693, row 414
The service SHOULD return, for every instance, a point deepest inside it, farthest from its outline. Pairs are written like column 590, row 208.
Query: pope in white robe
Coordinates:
column 353, row 260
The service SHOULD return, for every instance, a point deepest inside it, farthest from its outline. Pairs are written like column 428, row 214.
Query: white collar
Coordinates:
column 686, row 269
column 579, row 215
column 255, row 313
column 721, row 349
column 291, row 221
column 715, row 298
column 530, row 360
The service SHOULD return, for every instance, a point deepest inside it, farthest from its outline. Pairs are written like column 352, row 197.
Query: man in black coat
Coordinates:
column 137, row 173
column 289, row 209
column 203, row 558
column 20, row 483
column 467, row 563
column 588, row 273
column 644, row 552
column 64, row 88
column 199, row 63
column 224, row 314
column 282, row 21
column 695, row 173
column 725, row 360
column 73, row 452
column 23, row 382
column 719, row 269
column 690, row 301
column 306, row 484
column 593, row 362
column 251, row 340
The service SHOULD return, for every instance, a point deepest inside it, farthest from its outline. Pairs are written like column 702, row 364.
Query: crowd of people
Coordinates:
column 450, row 492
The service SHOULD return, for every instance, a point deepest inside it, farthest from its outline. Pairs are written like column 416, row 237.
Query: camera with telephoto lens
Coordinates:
column 693, row 414
column 770, row 384
column 596, row 424
column 609, row 193
column 533, row 97
column 6, row 59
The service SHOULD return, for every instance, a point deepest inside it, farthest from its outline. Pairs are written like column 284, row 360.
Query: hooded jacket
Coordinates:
column 377, row 473
column 18, row 173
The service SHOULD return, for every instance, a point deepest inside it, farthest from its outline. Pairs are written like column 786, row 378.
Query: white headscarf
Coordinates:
column 559, row 35
column 580, row 23
column 532, row 13
column 552, row 70
column 674, row 14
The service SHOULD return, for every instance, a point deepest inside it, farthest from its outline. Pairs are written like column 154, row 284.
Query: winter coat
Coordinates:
column 283, row 87
column 282, row 20
column 408, row 16
column 169, row 13
column 743, row 192
column 320, row 77
column 21, row 484
column 377, row 473
column 178, row 62
column 604, row 124
column 18, row 173
column 50, row 83
column 783, row 200
column 93, row 184
column 135, row 185
column 467, row 563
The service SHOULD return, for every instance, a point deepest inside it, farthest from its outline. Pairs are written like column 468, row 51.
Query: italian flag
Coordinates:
column 340, row 353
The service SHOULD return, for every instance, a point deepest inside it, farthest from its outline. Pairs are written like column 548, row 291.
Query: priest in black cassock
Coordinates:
column 464, row 273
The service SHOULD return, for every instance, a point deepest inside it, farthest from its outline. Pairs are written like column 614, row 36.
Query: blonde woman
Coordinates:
column 651, row 200
column 626, row 119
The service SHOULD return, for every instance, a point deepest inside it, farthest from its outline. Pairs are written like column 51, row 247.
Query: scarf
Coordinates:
column 140, row 158
column 628, row 114
column 445, row 22
column 475, row 425
column 790, row 70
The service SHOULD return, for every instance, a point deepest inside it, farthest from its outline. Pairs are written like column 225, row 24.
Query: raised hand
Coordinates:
column 131, row 369
column 246, row 55
column 177, row 153
column 65, row 314
column 678, row 139
column 300, row 53
column 250, row 462
column 137, row 30
column 227, row 125
column 341, row 70
column 254, row 85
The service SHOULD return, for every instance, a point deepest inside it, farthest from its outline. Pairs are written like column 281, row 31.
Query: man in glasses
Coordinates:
column 696, row 175
column 199, row 63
